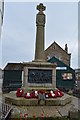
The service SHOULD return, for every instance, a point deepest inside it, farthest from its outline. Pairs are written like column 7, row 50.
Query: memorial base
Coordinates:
column 39, row 75
column 11, row 98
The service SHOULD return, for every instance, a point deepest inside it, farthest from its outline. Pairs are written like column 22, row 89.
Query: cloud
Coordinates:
column 19, row 29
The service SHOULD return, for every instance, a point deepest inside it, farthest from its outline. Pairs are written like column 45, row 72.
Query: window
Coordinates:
column 54, row 47
column 67, row 76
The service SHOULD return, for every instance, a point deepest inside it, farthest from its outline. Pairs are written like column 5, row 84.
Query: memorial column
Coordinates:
column 40, row 24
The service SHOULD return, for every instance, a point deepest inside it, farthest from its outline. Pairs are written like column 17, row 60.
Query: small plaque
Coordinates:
column 39, row 76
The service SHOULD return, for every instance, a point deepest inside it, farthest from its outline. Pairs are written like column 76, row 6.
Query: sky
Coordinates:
column 79, row 34
column 19, row 30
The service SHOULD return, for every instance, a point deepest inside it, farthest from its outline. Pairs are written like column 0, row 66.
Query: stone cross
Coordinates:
column 40, row 23
column 40, row 7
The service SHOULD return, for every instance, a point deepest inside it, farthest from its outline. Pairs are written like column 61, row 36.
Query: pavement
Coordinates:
column 79, row 104
column 46, row 111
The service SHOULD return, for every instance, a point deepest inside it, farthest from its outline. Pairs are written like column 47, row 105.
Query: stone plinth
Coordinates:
column 59, row 101
column 39, row 74
column 21, row 101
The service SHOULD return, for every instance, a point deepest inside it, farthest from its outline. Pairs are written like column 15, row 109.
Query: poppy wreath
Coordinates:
column 59, row 93
column 26, row 115
column 42, row 91
column 47, row 95
column 52, row 94
column 19, row 92
column 28, row 95
column 35, row 94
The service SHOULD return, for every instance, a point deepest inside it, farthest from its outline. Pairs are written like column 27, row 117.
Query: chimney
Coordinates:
column 66, row 48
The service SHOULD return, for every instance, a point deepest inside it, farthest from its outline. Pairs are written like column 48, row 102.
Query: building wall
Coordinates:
column 12, row 80
column 65, row 76
column 77, row 73
column 79, row 34
column 0, row 74
column 58, row 52
column 1, row 14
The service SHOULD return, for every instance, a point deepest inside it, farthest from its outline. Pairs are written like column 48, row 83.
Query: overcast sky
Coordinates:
column 19, row 30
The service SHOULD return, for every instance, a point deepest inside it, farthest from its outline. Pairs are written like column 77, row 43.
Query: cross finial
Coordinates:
column 40, row 7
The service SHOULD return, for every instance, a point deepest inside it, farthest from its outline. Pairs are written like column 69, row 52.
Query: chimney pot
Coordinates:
column 66, row 48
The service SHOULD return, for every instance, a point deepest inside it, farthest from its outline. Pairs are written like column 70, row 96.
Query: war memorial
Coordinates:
column 39, row 72
column 39, row 82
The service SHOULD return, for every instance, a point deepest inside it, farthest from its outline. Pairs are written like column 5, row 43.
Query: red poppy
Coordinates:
column 35, row 94
column 28, row 95
column 41, row 115
column 52, row 94
column 25, row 115
column 59, row 93
column 34, row 116
column 19, row 92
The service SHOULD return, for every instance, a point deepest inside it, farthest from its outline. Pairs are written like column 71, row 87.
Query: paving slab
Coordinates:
column 79, row 104
column 75, row 102
column 64, row 110
column 50, row 111
column 73, row 113
column 35, row 111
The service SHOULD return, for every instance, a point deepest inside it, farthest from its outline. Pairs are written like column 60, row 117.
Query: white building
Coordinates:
column 1, row 14
column 79, row 34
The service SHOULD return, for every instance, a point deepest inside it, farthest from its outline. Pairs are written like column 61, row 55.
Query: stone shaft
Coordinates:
column 40, row 24
column 39, row 52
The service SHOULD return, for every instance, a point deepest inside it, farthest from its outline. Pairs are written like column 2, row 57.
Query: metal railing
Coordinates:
column 5, row 111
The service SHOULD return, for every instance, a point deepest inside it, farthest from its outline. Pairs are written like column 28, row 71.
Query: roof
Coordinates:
column 58, row 62
column 77, row 70
column 58, row 46
column 14, row 66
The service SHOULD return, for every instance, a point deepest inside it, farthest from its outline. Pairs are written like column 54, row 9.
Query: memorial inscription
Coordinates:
column 39, row 76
